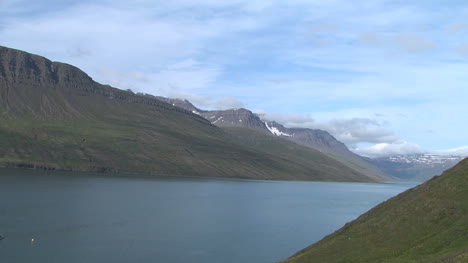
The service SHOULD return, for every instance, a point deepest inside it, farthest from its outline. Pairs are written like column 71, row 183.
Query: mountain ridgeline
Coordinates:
column 415, row 167
column 54, row 116
column 233, row 120
column 318, row 139
column 425, row 224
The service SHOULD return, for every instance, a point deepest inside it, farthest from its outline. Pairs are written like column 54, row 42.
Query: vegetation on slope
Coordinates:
column 428, row 223
column 298, row 156
column 54, row 116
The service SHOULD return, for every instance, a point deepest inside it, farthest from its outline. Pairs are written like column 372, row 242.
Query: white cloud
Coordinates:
column 227, row 103
column 219, row 54
column 288, row 120
column 358, row 130
column 208, row 102
column 124, row 80
column 349, row 131
column 419, row 124
column 389, row 149
column 171, row 82
column 459, row 151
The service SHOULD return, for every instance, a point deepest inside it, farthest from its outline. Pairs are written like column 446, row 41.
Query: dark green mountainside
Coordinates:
column 54, row 116
column 426, row 224
column 316, row 139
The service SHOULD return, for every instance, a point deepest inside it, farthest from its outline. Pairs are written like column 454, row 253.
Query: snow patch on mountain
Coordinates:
column 275, row 130
column 219, row 119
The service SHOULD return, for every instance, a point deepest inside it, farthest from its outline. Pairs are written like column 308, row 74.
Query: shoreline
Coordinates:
column 107, row 174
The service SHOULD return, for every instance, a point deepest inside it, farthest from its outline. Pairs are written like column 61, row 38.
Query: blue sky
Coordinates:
column 385, row 77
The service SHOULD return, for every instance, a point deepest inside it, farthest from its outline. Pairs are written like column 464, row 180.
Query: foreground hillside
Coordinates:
column 426, row 224
column 54, row 116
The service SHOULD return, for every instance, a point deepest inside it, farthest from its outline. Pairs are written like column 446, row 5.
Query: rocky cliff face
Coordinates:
column 221, row 118
column 24, row 76
column 318, row 139
column 22, row 67
column 235, row 118
column 48, row 87
column 314, row 138
column 184, row 104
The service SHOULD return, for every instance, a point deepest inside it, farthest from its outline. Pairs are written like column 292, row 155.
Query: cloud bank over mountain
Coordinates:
column 371, row 72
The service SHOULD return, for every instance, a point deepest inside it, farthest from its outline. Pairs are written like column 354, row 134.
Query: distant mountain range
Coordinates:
column 428, row 223
column 54, row 116
column 416, row 167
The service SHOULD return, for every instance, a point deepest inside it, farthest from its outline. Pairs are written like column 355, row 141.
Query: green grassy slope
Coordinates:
column 300, row 157
column 428, row 223
column 53, row 115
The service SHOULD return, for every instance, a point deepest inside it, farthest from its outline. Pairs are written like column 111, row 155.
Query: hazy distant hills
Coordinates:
column 54, row 116
column 428, row 223
column 416, row 167
column 316, row 139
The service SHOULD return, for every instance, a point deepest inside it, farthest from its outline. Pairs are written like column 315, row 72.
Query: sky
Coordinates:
column 385, row 77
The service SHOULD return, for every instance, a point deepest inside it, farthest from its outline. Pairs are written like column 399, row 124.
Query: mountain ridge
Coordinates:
column 316, row 139
column 237, row 118
column 54, row 116
column 47, row 72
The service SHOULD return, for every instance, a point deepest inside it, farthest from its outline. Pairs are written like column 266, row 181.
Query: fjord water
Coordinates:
column 80, row 217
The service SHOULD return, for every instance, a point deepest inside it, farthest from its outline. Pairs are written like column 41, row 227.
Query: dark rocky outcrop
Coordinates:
column 25, row 77
column 235, row 118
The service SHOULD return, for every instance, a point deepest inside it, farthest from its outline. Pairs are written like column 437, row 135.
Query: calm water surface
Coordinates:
column 77, row 217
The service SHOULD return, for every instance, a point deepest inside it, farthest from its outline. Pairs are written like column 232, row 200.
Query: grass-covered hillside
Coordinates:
column 299, row 156
column 426, row 224
column 54, row 116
